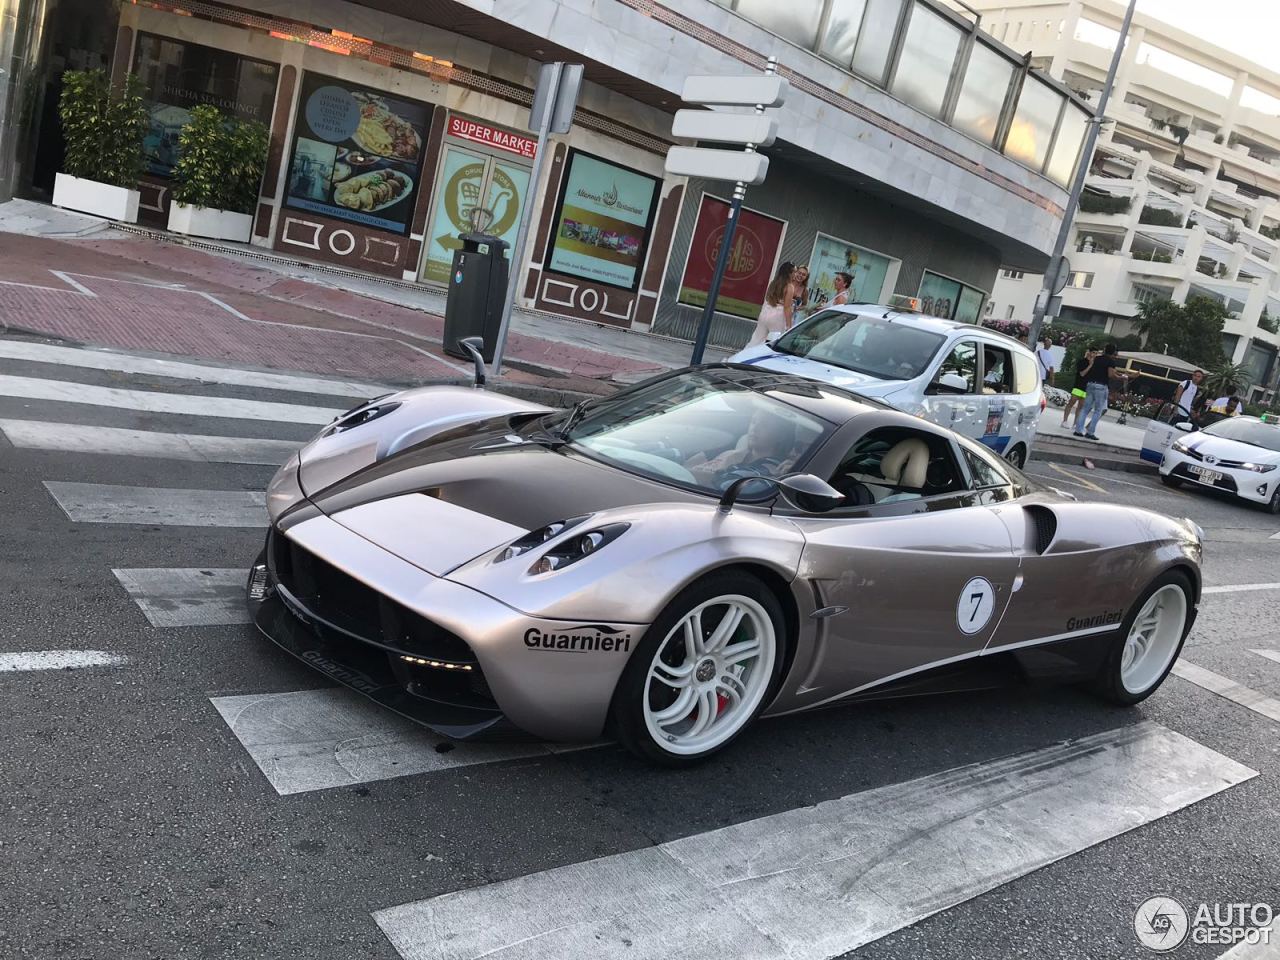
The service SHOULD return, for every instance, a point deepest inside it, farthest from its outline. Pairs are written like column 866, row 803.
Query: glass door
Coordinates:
column 467, row 178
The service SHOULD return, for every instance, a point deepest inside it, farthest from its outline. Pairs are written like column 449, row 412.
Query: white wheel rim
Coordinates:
column 1014, row 456
column 709, row 674
column 1153, row 639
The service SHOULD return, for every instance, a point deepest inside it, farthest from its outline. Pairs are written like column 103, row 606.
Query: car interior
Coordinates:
column 894, row 464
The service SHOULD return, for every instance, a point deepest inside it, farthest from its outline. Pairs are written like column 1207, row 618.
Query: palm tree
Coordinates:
column 1225, row 380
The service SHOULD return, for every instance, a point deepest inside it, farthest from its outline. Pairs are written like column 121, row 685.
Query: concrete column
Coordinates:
column 1190, row 257
column 21, row 35
column 1133, row 221
column 1125, row 70
column 1233, row 104
column 1210, row 178
column 1062, row 50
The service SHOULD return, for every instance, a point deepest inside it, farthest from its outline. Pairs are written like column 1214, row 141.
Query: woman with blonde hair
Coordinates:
column 778, row 307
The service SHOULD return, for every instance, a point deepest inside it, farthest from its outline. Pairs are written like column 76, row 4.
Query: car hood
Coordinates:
column 447, row 501
column 1225, row 449
column 862, row 383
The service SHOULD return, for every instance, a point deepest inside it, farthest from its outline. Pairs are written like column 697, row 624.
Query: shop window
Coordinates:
column 1033, row 123
column 982, row 95
column 927, row 60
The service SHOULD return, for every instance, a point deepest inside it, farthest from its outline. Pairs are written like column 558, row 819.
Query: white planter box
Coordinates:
column 208, row 222
column 99, row 199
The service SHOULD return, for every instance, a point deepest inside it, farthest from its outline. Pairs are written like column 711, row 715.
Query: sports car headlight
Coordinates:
column 361, row 414
column 536, row 538
column 1258, row 467
column 1181, row 446
column 575, row 548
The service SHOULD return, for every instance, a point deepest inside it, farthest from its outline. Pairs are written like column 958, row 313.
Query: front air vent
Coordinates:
column 1044, row 526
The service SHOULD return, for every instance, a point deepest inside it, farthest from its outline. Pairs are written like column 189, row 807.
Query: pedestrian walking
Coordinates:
column 776, row 311
column 1076, row 400
column 1098, row 375
column 1044, row 354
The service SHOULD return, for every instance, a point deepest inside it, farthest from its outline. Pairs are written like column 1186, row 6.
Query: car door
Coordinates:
column 953, row 397
column 903, row 586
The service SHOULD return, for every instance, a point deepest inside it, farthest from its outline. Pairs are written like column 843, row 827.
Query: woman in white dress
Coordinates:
column 778, row 307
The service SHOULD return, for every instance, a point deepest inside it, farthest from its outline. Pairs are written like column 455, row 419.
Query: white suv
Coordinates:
column 978, row 382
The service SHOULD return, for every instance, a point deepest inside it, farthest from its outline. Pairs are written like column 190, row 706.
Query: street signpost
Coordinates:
column 742, row 167
column 554, row 100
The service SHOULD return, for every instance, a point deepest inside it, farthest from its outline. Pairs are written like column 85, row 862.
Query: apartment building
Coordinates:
column 1183, row 194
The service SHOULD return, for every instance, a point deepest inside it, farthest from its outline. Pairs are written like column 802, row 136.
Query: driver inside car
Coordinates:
column 767, row 446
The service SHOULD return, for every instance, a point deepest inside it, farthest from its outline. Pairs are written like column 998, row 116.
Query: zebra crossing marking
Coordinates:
column 1272, row 655
column 59, row 660
column 118, row 441
column 164, row 506
column 194, row 597
column 151, row 401
column 319, row 739
column 817, row 882
column 1228, row 689
column 1241, row 587
column 183, row 370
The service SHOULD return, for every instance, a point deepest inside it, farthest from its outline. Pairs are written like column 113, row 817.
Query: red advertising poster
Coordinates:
column 751, row 260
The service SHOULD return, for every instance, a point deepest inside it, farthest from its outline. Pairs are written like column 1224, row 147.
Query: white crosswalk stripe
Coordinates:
column 107, row 503
column 195, row 597
column 181, row 370
column 151, row 401
column 59, row 660
column 318, row 739
column 1228, row 689
column 83, row 438
column 816, row 882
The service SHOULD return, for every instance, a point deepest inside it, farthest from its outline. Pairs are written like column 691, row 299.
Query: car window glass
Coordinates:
column 886, row 350
column 1026, row 375
column 997, row 370
column 895, row 465
column 958, row 373
column 987, row 470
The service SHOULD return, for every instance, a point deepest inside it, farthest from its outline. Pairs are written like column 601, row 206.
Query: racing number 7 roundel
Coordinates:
column 977, row 603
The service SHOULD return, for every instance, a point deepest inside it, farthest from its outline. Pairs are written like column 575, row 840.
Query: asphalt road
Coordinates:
column 179, row 788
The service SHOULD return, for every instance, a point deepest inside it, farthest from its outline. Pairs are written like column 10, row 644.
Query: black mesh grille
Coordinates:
column 357, row 609
column 1045, row 525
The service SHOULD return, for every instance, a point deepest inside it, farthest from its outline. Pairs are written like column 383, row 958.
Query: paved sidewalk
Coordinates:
column 142, row 292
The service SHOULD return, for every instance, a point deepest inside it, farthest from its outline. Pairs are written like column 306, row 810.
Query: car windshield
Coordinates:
column 699, row 431
column 1253, row 432
column 884, row 349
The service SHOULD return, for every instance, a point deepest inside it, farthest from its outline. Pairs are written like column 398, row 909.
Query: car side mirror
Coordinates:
column 949, row 383
column 475, row 347
column 1185, row 427
column 805, row 483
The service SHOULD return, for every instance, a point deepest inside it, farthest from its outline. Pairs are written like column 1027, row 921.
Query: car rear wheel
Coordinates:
column 703, row 672
column 1017, row 455
column 1150, row 639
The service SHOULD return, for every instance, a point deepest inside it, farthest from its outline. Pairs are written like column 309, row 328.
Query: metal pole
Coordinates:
column 730, row 228
column 526, row 217
column 1077, row 185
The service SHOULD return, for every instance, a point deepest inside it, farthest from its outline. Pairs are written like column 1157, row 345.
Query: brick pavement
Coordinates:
column 142, row 294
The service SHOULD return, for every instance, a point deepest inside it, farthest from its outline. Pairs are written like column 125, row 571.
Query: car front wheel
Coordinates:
column 1274, row 505
column 1150, row 639
column 703, row 671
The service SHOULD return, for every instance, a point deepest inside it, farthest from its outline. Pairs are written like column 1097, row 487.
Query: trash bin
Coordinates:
column 477, row 288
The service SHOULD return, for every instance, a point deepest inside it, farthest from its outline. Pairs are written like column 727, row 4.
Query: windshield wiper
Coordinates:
column 575, row 415
column 553, row 440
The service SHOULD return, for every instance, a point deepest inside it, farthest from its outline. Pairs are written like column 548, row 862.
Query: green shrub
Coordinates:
column 1104, row 203
column 1160, row 217
column 103, row 129
column 220, row 161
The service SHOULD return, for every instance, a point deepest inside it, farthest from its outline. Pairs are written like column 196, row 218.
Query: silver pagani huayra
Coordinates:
column 666, row 564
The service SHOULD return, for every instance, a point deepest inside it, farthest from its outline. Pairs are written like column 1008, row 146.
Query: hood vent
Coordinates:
column 1044, row 526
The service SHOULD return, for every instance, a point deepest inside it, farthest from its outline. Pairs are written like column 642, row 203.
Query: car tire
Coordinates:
column 1017, row 455
column 1273, row 505
column 1144, row 651
column 1169, row 480
column 667, row 689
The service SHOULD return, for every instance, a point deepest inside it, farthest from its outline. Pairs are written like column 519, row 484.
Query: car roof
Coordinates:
column 921, row 321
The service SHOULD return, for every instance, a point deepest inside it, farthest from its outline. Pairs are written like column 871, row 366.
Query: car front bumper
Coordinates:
column 442, row 654
column 1245, row 484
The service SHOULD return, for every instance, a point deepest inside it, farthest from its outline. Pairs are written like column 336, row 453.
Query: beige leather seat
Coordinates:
column 906, row 466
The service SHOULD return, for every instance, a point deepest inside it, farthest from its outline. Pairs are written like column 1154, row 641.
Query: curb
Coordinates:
column 1099, row 463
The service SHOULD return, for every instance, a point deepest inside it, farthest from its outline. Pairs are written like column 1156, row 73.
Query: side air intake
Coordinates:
column 1044, row 526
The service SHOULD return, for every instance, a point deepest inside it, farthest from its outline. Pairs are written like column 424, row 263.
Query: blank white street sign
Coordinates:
column 763, row 91
column 717, row 164
column 754, row 128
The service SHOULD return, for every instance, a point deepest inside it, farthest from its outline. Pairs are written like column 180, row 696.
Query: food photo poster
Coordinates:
column 357, row 154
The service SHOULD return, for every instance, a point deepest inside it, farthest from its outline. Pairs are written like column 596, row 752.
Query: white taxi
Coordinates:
column 978, row 382
column 1239, row 455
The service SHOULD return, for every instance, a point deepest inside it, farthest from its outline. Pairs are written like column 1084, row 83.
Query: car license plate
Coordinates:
column 1205, row 475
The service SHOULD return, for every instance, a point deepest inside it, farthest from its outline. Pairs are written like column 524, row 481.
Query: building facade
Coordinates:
column 914, row 151
column 1183, row 194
